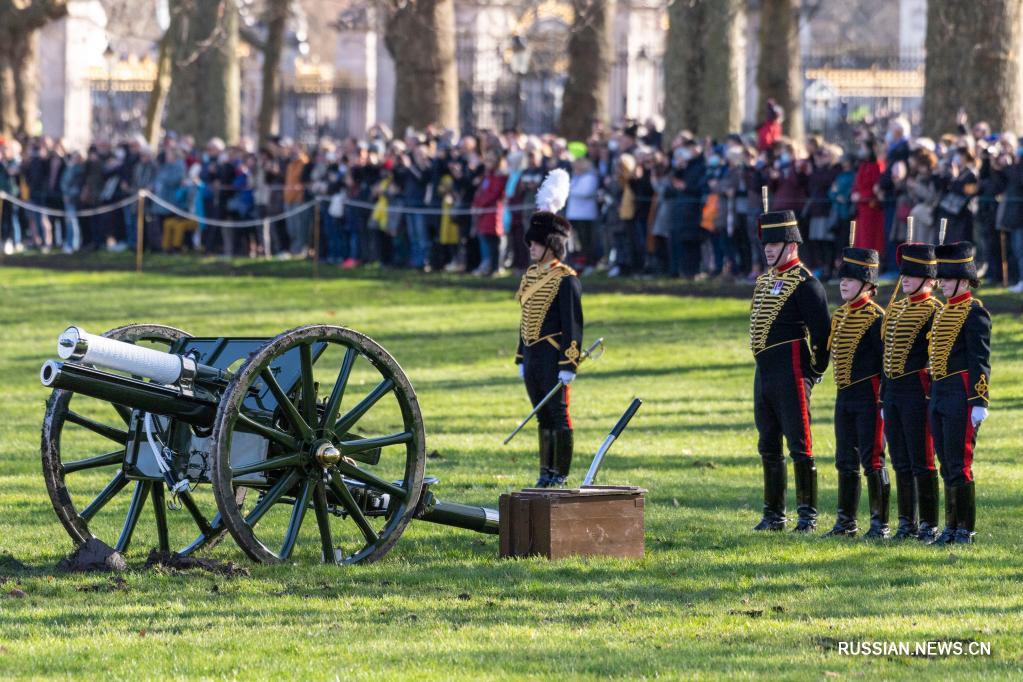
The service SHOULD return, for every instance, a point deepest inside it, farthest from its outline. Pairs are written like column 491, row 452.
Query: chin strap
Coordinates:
column 780, row 254
column 895, row 294
column 955, row 293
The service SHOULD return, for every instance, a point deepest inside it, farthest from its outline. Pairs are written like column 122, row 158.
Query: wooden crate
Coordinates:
column 588, row 521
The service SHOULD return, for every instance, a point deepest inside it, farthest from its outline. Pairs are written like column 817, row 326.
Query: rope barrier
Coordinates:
column 213, row 222
column 254, row 222
column 60, row 213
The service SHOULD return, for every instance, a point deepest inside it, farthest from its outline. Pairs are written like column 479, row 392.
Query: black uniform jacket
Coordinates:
column 961, row 343
column 855, row 341
column 790, row 304
column 907, row 326
column 552, row 312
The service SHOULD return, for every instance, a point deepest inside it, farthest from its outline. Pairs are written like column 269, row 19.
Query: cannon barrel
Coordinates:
column 480, row 519
column 133, row 393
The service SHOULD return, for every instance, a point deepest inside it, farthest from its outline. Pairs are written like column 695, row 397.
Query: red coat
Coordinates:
column 767, row 134
column 869, row 211
column 490, row 195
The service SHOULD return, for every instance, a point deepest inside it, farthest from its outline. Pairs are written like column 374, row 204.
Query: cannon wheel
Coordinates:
column 56, row 469
column 301, row 470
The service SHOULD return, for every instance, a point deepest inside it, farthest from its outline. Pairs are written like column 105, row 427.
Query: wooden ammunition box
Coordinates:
column 588, row 521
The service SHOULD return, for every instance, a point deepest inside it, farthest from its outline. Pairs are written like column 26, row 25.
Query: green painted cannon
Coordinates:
column 242, row 436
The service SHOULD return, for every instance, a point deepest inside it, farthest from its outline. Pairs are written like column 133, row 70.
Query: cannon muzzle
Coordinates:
column 133, row 393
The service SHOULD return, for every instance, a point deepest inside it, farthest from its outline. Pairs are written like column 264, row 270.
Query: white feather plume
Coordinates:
column 553, row 193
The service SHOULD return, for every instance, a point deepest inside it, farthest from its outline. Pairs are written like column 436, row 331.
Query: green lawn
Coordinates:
column 710, row 600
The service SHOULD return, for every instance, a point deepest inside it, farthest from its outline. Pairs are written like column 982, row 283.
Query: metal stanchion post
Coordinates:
column 140, row 231
column 316, row 238
column 266, row 239
column 1005, row 256
column 3, row 199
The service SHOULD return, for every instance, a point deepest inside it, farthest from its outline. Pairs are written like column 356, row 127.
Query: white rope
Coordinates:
column 433, row 211
column 59, row 213
column 255, row 222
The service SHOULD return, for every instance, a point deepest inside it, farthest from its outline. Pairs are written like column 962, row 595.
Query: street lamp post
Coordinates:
column 643, row 62
column 108, row 56
column 519, row 65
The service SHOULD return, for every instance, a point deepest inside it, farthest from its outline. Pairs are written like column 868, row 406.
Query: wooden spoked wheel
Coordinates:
column 83, row 453
column 346, row 440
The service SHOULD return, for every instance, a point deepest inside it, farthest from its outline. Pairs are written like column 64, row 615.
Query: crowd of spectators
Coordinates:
column 642, row 203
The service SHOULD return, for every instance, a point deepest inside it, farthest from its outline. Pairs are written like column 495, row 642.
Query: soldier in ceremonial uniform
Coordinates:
column 905, row 392
column 551, row 330
column 960, row 356
column 789, row 325
column 856, row 350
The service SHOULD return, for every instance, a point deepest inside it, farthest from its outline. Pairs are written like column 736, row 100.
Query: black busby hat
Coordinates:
column 861, row 264
column 956, row 261
column 778, row 226
column 917, row 260
column 544, row 225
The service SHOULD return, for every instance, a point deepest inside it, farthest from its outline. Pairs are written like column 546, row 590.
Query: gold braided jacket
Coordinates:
column 769, row 295
column 902, row 326
column 948, row 322
column 536, row 292
column 848, row 326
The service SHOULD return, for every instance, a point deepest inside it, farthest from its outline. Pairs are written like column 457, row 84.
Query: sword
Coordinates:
column 599, row 343
column 609, row 441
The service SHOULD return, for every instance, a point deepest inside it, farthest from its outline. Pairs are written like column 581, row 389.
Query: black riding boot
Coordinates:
column 806, row 495
column 546, row 458
column 774, row 496
column 878, row 491
column 564, row 442
column 927, row 493
column 966, row 510
column 905, row 489
column 948, row 535
column 848, row 503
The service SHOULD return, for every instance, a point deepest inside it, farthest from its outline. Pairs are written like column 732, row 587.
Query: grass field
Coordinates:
column 710, row 600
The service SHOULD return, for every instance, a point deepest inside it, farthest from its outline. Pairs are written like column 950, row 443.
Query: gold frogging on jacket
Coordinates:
column 902, row 326
column 537, row 290
column 981, row 387
column 769, row 295
column 571, row 355
column 948, row 322
column 848, row 326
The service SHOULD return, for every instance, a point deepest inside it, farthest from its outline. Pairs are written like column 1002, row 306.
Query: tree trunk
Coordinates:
column 589, row 68
column 270, row 101
column 779, row 68
column 205, row 90
column 724, row 64
column 420, row 36
column 683, row 67
column 161, row 86
column 973, row 61
column 19, row 25
column 703, row 65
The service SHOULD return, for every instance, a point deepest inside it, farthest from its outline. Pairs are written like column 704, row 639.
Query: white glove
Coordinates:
column 881, row 411
column 977, row 415
column 566, row 377
column 522, row 371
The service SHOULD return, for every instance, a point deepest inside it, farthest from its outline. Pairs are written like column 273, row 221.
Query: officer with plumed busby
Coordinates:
column 856, row 350
column 789, row 325
column 960, row 357
column 905, row 391
column 551, row 327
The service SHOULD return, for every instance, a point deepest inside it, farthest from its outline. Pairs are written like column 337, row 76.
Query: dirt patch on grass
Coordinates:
column 176, row 563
